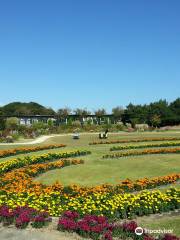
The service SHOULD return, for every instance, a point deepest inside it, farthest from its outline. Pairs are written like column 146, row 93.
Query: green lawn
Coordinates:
column 161, row 222
column 96, row 170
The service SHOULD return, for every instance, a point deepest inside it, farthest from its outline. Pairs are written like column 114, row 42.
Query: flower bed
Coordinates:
column 114, row 205
column 15, row 151
column 17, row 188
column 136, row 140
column 22, row 216
column 28, row 160
column 143, row 152
column 21, row 180
column 90, row 226
column 164, row 144
column 126, row 185
column 98, row 227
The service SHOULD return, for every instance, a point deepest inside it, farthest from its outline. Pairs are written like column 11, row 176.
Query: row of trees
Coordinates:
column 117, row 111
column 156, row 114
column 160, row 113
column 32, row 108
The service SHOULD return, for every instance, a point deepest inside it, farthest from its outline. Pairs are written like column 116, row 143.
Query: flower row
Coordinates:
column 21, row 180
column 143, row 152
column 136, row 140
column 99, row 227
column 89, row 226
column 22, row 216
column 17, row 188
column 126, row 185
column 15, row 151
column 28, row 160
column 163, row 144
column 108, row 204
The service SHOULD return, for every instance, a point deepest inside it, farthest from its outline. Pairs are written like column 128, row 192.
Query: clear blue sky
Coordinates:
column 89, row 53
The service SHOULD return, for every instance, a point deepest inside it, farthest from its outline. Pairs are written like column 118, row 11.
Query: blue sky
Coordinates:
column 89, row 53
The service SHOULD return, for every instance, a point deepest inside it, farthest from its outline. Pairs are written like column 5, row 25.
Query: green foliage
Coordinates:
column 76, row 123
column 12, row 123
column 63, row 112
column 117, row 112
column 159, row 113
column 50, row 122
column 31, row 108
column 39, row 125
column 155, row 120
column 82, row 112
column 100, row 112
column 2, row 123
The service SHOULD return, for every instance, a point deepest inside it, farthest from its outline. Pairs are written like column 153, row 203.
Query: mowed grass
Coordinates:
column 171, row 222
column 97, row 171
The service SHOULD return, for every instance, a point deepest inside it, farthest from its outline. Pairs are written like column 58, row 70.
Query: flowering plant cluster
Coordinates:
column 126, row 185
column 136, row 140
column 21, row 180
column 143, row 152
column 114, row 205
column 99, row 227
column 22, row 216
column 89, row 226
column 164, row 144
column 29, row 160
column 17, row 188
column 15, row 151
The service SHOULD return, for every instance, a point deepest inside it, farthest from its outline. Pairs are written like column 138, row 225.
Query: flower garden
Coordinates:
column 103, row 211
column 136, row 140
column 143, row 152
column 15, row 151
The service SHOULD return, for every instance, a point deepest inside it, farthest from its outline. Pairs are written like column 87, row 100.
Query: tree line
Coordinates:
column 159, row 113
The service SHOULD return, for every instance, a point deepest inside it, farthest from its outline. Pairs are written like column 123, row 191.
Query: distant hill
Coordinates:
column 31, row 108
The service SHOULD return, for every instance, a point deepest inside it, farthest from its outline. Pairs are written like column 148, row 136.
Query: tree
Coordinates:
column 155, row 120
column 12, row 123
column 64, row 112
column 100, row 112
column 2, row 123
column 175, row 107
column 82, row 112
column 2, row 120
column 50, row 122
column 117, row 112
